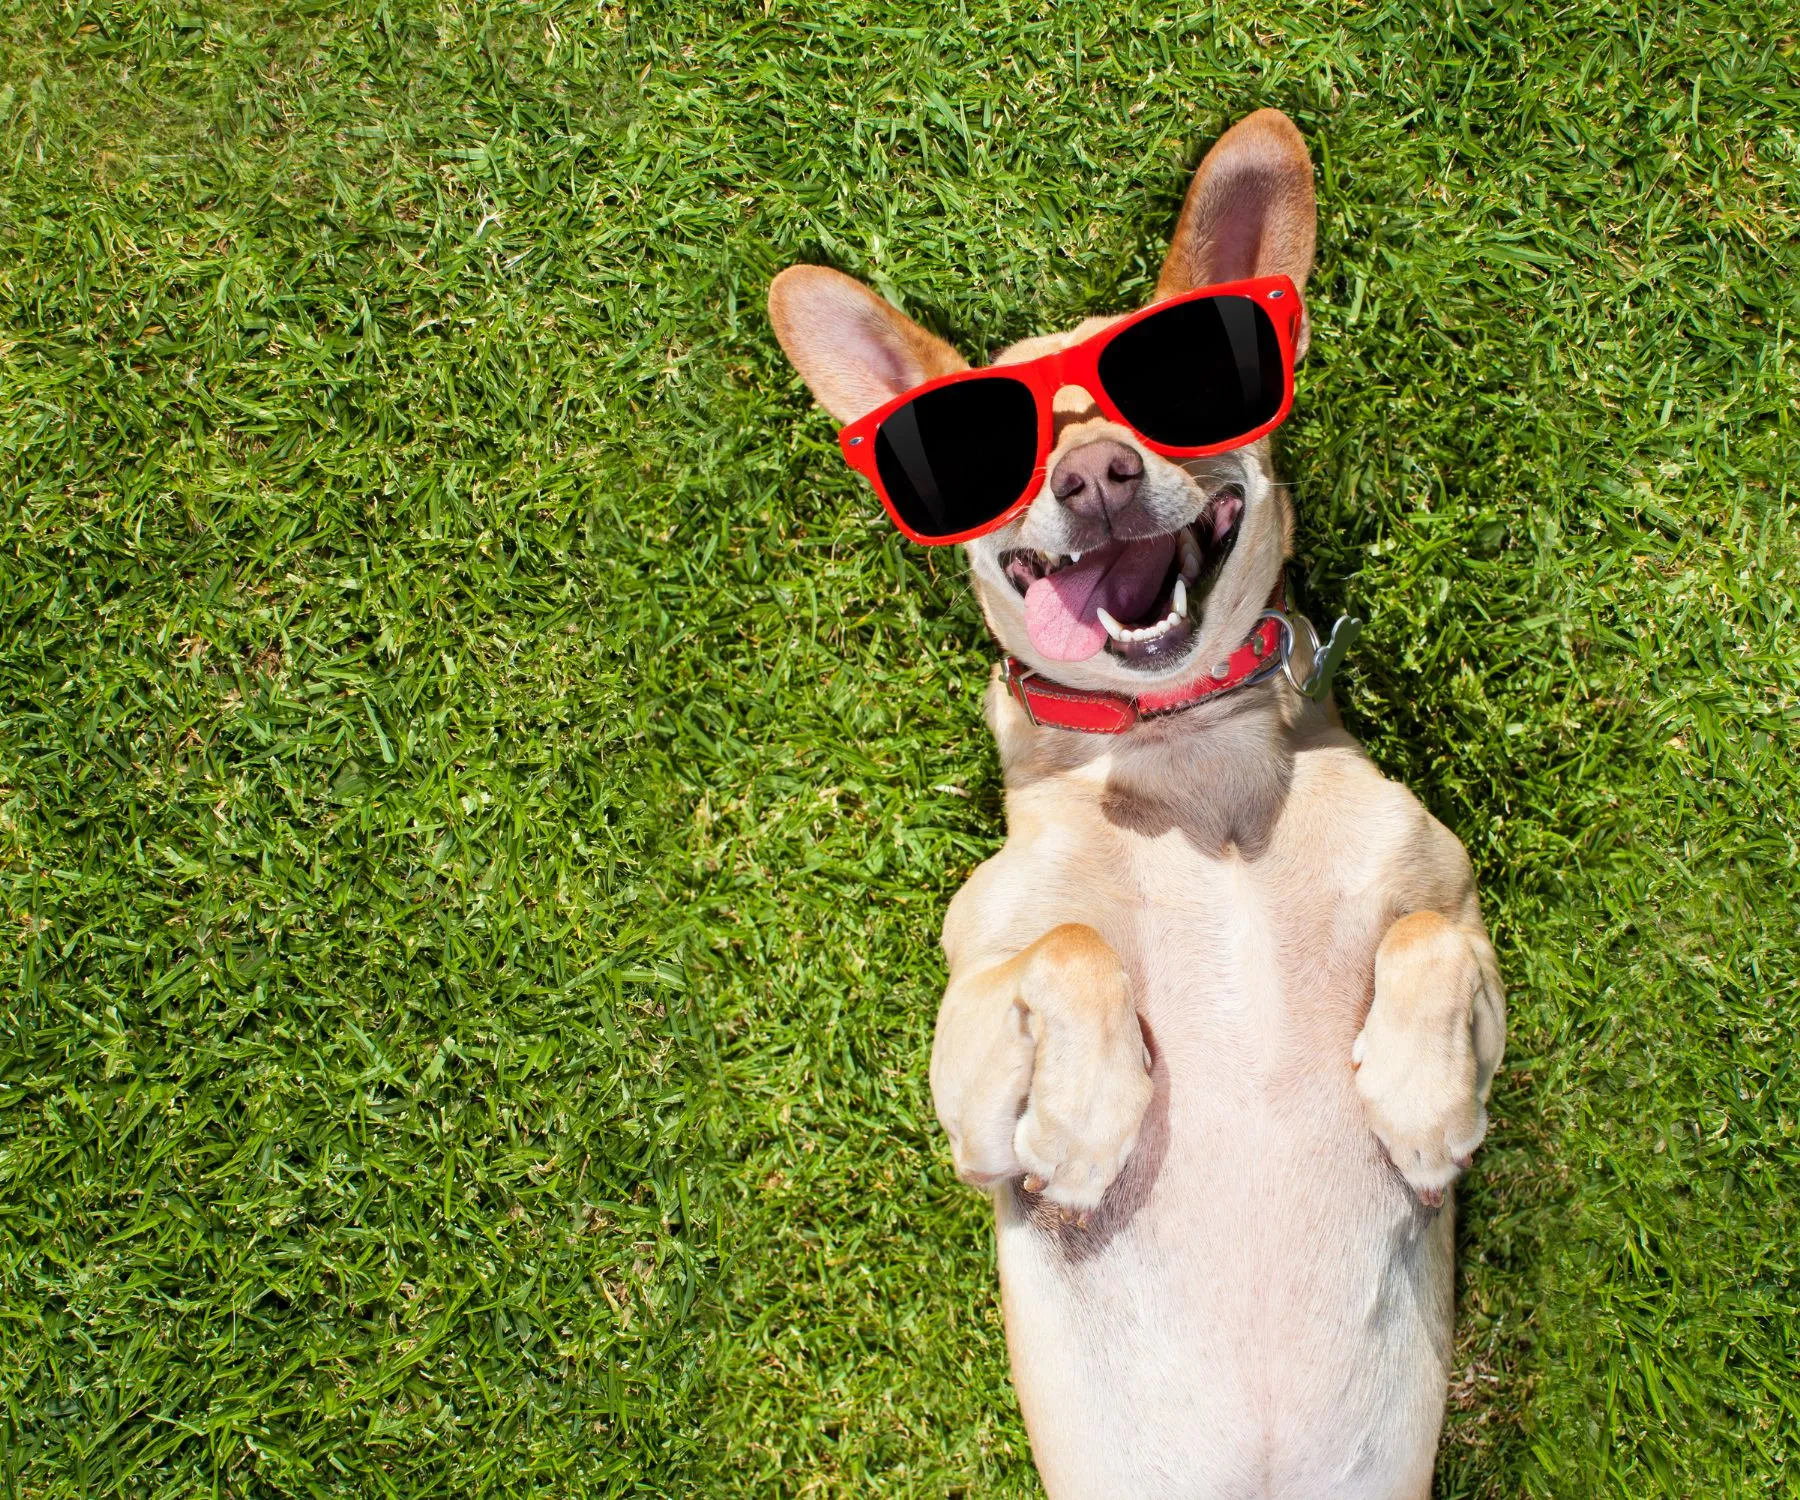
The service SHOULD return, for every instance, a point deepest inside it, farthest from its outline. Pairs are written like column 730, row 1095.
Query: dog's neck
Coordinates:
column 1218, row 773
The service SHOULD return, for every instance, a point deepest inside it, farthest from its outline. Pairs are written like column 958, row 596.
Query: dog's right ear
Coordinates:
column 856, row 351
column 1249, row 212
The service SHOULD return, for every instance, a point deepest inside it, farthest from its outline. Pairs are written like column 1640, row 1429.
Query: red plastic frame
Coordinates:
column 1079, row 365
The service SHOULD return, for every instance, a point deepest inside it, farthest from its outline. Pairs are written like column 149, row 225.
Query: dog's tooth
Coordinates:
column 1169, row 622
column 1178, row 603
column 1190, row 557
column 1074, row 557
column 1113, row 628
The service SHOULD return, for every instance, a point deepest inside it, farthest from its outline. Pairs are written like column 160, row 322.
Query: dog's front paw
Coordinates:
column 1077, row 1133
column 1090, row 1081
column 1418, row 1071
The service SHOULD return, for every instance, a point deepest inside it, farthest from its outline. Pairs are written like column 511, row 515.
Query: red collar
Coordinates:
column 1262, row 654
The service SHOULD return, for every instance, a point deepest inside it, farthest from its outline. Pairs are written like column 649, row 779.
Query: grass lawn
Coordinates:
column 480, row 782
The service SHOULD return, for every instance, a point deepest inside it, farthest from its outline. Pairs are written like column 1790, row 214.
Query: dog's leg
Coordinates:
column 1039, row 1069
column 1429, row 1048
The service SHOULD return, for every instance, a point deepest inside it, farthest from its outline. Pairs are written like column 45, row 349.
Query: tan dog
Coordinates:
column 1222, row 1014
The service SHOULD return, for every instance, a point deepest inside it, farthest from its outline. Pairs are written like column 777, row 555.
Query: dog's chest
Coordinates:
column 1240, row 968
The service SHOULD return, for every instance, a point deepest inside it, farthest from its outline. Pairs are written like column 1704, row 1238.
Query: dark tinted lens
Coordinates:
column 1204, row 372
column 956, row 457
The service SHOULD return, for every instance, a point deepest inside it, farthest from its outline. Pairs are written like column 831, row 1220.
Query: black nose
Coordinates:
column 1097, row 480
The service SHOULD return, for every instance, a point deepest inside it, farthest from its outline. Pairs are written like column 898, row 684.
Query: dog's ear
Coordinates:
column 1249, row 211
column 855, row 350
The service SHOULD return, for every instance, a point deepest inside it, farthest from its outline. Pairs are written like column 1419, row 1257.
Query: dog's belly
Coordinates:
column 1260, row 1307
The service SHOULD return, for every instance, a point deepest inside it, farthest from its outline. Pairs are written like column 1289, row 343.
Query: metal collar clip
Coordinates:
column 1318, row 664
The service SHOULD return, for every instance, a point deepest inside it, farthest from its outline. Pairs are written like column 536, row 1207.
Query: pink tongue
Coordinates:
column 1062, row 612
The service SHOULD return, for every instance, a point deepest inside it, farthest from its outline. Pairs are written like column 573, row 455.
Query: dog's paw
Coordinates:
column 1090, row 1081
column 1078, row 1132
column 1417, row 1071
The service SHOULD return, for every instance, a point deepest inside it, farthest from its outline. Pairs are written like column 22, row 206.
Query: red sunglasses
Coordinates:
column 1201, row 373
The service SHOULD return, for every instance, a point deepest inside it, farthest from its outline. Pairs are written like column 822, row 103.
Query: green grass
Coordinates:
column 479, row 783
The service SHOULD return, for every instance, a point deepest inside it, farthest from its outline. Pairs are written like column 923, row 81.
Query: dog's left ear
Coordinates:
column 854, row 349
column 1249, row 212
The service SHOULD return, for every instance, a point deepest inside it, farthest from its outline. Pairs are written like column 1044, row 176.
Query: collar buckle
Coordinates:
column 1016, row 672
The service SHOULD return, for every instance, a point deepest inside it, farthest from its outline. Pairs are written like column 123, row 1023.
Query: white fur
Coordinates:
column 1261, row 1306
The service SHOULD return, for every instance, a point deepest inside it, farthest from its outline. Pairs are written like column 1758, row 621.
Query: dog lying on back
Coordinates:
column 1222, row 1014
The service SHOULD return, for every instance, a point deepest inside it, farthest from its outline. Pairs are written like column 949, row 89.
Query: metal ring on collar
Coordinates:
column 1323, row 659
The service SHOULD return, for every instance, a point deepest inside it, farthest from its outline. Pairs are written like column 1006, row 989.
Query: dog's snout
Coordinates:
column 1098, row 480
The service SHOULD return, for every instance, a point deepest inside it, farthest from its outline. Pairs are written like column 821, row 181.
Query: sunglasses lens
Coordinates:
column 1204, row 372
column 957, row 457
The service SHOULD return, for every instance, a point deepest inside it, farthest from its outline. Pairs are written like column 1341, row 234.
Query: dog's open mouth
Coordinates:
column 1138, row 600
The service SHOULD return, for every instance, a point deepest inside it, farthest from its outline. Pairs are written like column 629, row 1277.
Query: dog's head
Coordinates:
column 1185, row 554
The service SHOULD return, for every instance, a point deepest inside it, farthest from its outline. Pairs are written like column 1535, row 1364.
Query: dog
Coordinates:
column 1222, row 1015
